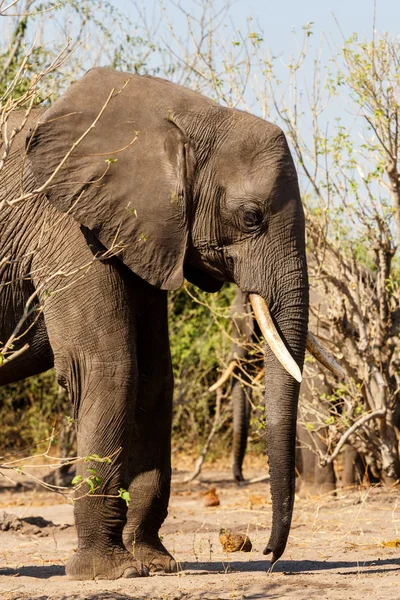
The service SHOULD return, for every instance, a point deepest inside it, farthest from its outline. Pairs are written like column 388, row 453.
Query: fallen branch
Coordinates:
column 377, row 414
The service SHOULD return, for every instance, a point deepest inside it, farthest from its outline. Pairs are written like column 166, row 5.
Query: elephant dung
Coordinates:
column 211, row 498
column 234, row 542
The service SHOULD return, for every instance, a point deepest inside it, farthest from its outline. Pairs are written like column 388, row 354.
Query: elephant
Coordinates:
column 246, row 365
column 128, row 184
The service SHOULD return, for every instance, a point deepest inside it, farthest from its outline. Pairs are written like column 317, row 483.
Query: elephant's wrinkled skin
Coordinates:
column 174, row 185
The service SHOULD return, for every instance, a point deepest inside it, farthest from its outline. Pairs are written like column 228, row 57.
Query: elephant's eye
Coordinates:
column 252, row 218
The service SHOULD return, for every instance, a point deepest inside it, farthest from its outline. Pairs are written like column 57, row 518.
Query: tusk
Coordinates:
column 323, row 356
column 224, row 377
column 272, row 336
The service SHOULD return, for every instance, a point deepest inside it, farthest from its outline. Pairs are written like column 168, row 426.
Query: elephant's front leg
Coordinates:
column 151, row 465
column 92, row 330
column 105, row 418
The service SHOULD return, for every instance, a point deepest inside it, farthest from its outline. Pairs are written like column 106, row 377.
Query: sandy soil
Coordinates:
column 335, row 549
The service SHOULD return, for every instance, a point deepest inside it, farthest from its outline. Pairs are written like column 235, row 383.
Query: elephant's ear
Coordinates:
column 113, row 160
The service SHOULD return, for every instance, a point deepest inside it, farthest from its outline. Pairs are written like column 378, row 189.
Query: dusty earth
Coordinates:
column 336, row 549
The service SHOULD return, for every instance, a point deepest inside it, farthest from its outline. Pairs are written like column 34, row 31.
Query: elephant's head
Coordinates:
column 180, row 186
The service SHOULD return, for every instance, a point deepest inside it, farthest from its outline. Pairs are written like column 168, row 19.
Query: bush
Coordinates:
column 28, row 411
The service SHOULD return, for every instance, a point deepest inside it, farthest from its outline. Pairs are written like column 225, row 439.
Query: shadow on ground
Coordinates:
column 39, row 572
column 294, row 567
column 289, row 567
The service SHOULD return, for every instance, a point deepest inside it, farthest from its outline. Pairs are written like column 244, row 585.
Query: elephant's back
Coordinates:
column 151, row 96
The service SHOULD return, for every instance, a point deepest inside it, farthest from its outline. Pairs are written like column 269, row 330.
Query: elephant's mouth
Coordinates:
column 279, row 348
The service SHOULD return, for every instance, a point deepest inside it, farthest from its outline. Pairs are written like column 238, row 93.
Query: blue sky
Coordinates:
column 276, row 22
column 277, row 19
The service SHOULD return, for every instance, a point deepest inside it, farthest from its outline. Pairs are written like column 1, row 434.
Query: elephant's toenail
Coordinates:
column 131, row 572
column 173, row 567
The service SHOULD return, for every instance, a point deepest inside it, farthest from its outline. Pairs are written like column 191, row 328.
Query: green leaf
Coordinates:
column 91, row 484
column 97, row 458
column 76, row 479
column 93, row 457
column 125, row 495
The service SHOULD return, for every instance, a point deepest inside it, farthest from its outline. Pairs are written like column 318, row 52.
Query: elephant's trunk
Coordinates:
column 290, row 316
column 281, row 437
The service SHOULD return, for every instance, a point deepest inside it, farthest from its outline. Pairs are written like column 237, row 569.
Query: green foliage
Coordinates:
column 93, row 481
column 125, row 495
column 77, row 479
column 28, row 410
column 199, row 335
column 97, row 458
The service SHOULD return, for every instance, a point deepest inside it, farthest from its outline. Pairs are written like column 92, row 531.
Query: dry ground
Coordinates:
column 335, row 549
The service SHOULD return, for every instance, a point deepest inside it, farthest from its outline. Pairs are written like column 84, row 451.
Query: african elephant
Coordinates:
column 135, row 184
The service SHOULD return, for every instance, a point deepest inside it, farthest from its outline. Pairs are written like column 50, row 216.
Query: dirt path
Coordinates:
column 334, row 552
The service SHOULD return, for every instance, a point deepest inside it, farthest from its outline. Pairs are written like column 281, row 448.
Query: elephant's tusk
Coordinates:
column 272, row 336
column 224, row 377
column 323, row 356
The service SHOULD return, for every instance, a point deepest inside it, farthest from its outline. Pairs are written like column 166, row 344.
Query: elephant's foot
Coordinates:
column 154, row 556
column 110, row 564
column 237, row 474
